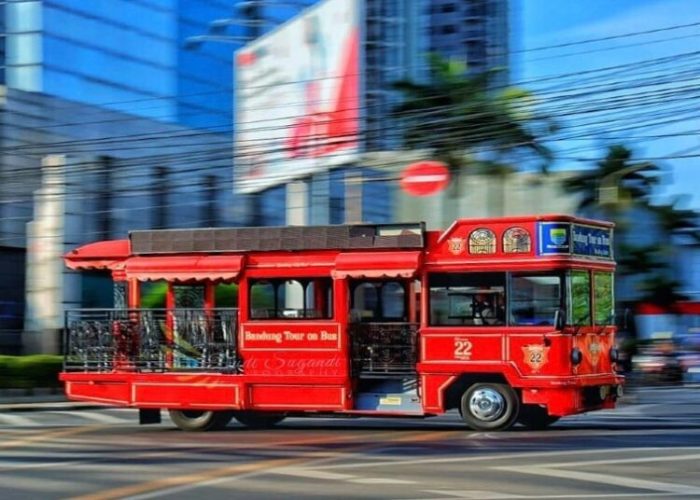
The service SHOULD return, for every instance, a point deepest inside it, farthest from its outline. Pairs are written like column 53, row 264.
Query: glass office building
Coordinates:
column 473, row 31
column 125, row 55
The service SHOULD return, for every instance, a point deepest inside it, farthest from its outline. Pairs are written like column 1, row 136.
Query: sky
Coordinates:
column 648, row 98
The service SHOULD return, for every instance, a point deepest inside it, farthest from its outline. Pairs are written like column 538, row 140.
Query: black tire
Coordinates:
column 199, row 420
column 535, row 417
column 258, row 420
column 489, row 407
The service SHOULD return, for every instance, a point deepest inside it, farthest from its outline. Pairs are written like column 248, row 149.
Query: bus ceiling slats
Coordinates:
column 288, row 238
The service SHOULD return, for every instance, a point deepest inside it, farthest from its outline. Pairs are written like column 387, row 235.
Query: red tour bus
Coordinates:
column 504, row 319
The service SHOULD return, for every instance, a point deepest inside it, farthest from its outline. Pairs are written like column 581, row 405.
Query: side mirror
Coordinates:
column 559, row 319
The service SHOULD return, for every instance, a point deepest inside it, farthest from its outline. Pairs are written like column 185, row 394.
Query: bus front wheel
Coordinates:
column 489, row 406
column 200, row 421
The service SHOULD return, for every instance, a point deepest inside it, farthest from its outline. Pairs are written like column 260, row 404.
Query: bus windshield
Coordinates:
column 535, row 298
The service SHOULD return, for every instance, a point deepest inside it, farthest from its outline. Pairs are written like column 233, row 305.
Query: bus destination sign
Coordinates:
column 563, row 238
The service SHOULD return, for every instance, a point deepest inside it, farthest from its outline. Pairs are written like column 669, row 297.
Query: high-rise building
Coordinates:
column 399, row 36
column 123, row 55
column 473, row 31
column 111, row 87
column 396, row 48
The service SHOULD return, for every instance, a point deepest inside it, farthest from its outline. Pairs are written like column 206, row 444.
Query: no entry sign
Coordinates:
column 424, row 178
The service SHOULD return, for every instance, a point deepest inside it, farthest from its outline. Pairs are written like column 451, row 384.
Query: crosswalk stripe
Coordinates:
column 12, row 419
column 94, row 416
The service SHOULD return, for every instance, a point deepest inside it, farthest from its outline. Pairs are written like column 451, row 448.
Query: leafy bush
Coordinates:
column 27, row 372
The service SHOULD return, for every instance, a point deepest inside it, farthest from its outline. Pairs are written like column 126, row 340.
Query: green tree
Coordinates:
column 629, row 181
column 620, row 189
column 457, row 116
column 677, row 221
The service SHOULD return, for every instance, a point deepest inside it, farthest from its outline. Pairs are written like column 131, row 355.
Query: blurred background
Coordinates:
column 118, row 115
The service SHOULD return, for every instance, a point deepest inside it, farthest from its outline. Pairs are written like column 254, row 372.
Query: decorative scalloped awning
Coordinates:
column 377, row 265
column 184, row 268
column 100, row 255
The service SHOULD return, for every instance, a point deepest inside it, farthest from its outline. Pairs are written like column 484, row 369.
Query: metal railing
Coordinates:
column 380, row 349
column 151, row 340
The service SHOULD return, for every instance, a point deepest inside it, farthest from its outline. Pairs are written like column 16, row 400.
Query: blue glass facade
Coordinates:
column 204, row 73
column 473, row 31
column 328, row 199
column 125, row 55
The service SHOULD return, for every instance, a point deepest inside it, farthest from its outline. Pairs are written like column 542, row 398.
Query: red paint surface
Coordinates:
column 425, row 178
column 294, row 366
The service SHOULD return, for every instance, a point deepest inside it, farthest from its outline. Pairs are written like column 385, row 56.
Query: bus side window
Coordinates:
column 292, row 298
column 379, row 301
column 467, row 299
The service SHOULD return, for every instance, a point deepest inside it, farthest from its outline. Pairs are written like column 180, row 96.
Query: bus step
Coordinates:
column 388, row 395
column 387, row 402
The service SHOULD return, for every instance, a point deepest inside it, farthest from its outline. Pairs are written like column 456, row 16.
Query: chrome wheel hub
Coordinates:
column 487, row 404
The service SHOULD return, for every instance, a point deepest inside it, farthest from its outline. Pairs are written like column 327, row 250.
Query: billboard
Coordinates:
column 297, row 98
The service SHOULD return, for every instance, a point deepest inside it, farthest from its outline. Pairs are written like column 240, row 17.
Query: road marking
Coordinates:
column 48, row 435
column 185, row 479
column 93, row 416
column 610, row 461
column 181, row 483
column 313, row 474
column 595, row 477
column 475, row 494
column 16, row 420
column 465, row 495
column 155, row 489
column 380, row 480
column 526, row 456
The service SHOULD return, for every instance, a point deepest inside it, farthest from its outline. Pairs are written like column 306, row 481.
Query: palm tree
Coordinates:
column 645, row 252
column 661, row 290
column 457, row 115
column 632, row 181
column 678, row 221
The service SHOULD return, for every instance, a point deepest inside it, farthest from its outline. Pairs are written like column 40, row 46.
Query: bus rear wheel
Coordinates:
column 199, row 420
column 489, row 406
column 258, row 420
column 535, row 417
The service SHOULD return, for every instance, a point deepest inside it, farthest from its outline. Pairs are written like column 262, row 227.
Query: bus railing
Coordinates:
column 153, row 340
column 382, row 349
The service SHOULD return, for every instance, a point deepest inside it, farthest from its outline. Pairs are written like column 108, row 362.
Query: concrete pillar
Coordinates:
column 297, row 203
column 353, row 197
column 297, row 215
column 50, row 287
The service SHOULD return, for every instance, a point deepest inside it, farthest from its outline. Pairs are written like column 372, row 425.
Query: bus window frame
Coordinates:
column 570, row 297
column 328, row 314
column 562, row 295
column 610, row 318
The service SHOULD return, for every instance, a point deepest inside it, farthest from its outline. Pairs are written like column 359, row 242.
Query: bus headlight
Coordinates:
column 576, row 356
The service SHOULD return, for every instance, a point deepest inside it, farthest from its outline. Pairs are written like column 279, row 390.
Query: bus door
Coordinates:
column 291, row 345
column 383, row 330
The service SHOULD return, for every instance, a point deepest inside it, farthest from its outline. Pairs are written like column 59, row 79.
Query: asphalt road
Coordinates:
column 648, row 448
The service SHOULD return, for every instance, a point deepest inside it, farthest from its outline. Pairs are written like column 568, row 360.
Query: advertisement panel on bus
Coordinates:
column 297, row 97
